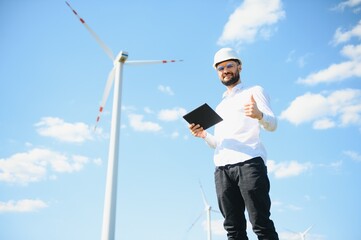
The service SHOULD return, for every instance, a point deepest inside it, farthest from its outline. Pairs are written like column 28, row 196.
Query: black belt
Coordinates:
column 228, row 166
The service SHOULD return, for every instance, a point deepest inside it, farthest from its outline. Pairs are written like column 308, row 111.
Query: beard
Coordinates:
column 232, row 81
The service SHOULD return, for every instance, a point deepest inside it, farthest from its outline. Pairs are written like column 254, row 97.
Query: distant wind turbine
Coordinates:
column 115, row 76
column 303, row 234
column 207, row 209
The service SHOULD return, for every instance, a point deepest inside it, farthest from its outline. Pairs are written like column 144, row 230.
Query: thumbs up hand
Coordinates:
column 251, row 109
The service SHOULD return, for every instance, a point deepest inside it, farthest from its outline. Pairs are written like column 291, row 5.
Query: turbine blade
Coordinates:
column 204, row 196
column 291, row 231
column 97, row 38
column 195, row 221
column 143, row 62
column 108, row 86
column 307, row 230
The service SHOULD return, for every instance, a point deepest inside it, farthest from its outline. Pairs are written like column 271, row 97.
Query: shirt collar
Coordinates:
column 234, row 90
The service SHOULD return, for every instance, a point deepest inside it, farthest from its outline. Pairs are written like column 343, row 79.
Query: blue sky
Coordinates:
column 306, row 54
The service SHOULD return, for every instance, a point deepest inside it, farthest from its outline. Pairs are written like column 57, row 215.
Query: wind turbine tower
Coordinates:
column 208, row 209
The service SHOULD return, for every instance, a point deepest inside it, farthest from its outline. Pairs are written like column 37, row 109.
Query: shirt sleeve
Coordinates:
column 269, row 120
column 211, row 140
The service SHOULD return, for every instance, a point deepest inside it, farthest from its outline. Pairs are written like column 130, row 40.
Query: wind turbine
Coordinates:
column 303, row 234
column 115, row 76
column 207, row 209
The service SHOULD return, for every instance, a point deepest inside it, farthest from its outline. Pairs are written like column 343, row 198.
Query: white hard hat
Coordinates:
column 225, row 54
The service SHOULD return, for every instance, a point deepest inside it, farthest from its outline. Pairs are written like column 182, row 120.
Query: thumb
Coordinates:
column 252, row 99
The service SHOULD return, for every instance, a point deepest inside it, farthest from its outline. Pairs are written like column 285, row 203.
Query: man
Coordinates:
column 241, row 175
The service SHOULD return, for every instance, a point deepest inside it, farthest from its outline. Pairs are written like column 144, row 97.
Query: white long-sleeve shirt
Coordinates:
column 237, row 138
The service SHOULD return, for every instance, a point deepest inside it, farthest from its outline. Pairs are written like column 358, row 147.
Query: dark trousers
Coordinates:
column 245, row 186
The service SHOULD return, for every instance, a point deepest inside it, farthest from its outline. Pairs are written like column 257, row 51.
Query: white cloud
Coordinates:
column 148, row 110
column 128, row 108
column 252, row 19
column 352, row 51
column 306, row 108
column 98, row 161
column 301, row 61
column 63, row 131
column 338, row 108
column 175, row 135
column 216, row 226
column 335, row 166
column 25, row 205
column 340, row 71
column 349, row 3
column 282, row 207
column 137, row 123
column 342, row 37
column 293, row 207
column 171, row 114
column 33, row 166
column 290, row 56
column 353, row 155
column 166, row 89
column 324, row 124
column 307, row 197
column 287, row 169
column 63, row 164
column 334, row 73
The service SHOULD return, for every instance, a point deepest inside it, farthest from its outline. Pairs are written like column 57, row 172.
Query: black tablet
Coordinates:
column 203, row 115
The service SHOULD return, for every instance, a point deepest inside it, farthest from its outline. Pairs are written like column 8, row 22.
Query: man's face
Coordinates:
column 228, row 72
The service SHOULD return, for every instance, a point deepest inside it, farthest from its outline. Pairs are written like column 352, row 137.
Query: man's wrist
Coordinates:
column 204, row 135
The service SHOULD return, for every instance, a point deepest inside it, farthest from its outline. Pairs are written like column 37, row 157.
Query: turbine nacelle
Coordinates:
column 121, row 57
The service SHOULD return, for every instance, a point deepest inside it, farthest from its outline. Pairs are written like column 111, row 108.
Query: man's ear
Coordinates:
column 240, row 67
